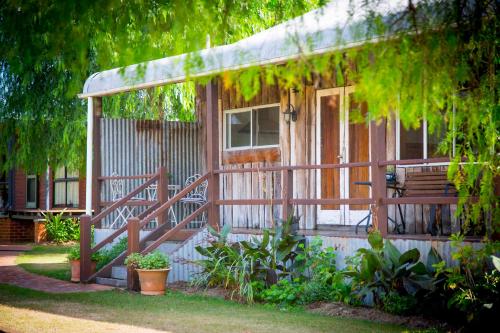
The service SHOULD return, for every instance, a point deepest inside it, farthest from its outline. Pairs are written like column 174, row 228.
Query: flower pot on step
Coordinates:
column 153, row 281
column 75, row 270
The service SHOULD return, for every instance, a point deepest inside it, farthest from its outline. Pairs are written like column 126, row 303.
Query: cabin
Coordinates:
column 286, row 153
column 25, row 196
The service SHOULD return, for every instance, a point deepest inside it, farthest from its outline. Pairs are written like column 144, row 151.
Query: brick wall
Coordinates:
column 16, row 231
column 19, row 189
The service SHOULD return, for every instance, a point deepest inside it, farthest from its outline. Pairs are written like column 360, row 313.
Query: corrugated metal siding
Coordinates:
column 183, row 268
column 136, row 147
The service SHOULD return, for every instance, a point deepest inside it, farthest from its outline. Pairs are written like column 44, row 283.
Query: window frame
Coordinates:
column 425, row 136
column 66, row 180
column 32, row 204
column 241, row 110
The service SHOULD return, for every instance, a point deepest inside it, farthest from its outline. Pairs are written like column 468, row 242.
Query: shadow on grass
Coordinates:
column 181, row 313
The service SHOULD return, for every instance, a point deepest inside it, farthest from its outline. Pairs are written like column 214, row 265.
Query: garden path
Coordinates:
column 12, row 274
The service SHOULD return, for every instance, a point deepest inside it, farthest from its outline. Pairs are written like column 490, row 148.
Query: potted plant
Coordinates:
column 74, row 259
column 153, row 269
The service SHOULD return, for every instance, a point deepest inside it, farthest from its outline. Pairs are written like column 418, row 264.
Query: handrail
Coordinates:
column 175, row 229
column 173, row 200
column 124, row 200
column 148, row 175
column 121, row 230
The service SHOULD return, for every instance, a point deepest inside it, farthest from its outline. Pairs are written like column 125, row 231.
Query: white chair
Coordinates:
column 197, row 198
column 117, row 193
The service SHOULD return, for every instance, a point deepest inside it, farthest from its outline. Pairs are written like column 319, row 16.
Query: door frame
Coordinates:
column 344, row 216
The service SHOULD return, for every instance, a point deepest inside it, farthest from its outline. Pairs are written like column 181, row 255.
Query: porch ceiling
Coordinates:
column 327, row 29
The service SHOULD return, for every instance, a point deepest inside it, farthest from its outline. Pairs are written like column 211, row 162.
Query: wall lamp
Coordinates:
column 290, row 112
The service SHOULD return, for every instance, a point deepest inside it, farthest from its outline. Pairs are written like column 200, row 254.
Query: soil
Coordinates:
column 330, row 309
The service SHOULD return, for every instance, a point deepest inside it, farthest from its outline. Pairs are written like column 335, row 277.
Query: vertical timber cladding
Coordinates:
column 256, row 185
column 136, row 147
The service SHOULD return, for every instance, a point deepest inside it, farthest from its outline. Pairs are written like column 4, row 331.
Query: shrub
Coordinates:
column 283, row 294
column 399, row 305
column 469, row 290
column 108, row 255
column 153, row 260
column 61, row 230
column 74, row 254
column 247, row 267
column 382, row 270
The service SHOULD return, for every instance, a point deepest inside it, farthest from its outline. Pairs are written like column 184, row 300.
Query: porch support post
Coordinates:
column 85, row 247
column 163, row 193
column 96, row 155
column 212, row 123
column 133, row 227
column 379, row 190
column 88, row 179
column 287, row 194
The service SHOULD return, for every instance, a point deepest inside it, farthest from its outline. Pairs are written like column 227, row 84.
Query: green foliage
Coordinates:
column 106, row 256
column 471, row 289
column 74, row 254
column 61, row 229
column 153, row 260
column 383, row 270
column 400, row 305
column 247, row 267
column 284, row 293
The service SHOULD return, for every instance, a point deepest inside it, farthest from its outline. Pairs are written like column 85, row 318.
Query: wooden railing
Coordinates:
column 87, row 222
column 160, row 234
column 378, row 199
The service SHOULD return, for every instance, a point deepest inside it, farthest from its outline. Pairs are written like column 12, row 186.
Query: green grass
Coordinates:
column 48, row 260
column 26, row 310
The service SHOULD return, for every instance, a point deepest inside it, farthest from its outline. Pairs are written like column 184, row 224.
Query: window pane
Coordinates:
column 71, row 174
column 59, row 173
column 266, row 126
column 434, row 139
column 239, row 129
column 60, row 193
column 411, row 143
column 72, row 194
column 31, row 190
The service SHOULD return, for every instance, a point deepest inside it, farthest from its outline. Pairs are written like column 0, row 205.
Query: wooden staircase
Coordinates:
column 164, row 236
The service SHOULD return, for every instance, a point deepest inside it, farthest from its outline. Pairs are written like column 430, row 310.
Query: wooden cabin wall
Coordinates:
column 256, row 185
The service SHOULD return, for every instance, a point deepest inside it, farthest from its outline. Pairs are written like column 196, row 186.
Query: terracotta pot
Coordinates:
column 75, row 270
column 153, row 281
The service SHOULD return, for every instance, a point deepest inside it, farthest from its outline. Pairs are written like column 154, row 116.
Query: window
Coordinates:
column 66, row 188
column 255, row 127
column 31, row 191
column 419, row 143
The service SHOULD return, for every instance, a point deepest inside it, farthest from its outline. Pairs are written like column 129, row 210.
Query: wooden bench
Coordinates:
column 431, row 184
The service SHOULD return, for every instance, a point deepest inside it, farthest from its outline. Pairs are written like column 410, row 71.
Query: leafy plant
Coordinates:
column 74, row 254
column 150, row 261
column 106, row 256
column 470, row 289
column 61, row 229
column 383, row 270
column 397, row 304
column 283, row 294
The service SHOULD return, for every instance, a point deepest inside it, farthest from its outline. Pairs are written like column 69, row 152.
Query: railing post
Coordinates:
column 379, row 190
column 85, row 248
column 163, row 193
column 133, row 227
column 212, row 123
column 286, row 193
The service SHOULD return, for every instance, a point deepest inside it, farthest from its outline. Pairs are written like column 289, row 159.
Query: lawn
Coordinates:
column 24, row 310
column 48, row 260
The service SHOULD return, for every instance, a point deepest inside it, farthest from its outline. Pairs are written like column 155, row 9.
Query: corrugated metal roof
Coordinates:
column 338, row 25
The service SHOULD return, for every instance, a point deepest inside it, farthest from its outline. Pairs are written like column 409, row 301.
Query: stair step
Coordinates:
column 118, row 283
column 119, row 272
column 166, row 247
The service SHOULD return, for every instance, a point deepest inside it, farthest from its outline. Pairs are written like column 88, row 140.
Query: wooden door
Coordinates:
column 328, row 142
column 359, row 151
column 342, row 138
